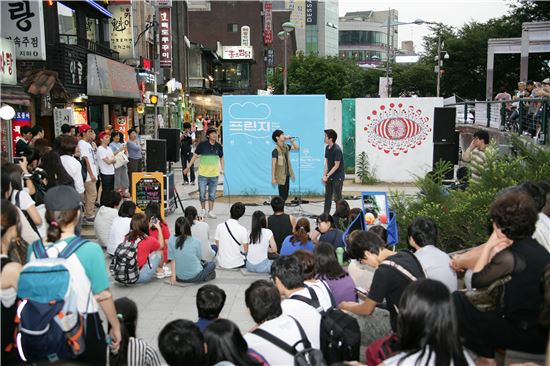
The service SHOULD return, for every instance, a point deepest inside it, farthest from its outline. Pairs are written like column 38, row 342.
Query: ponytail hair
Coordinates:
column 57, row 220
column 190, row 214
column 301, row 231
column 182, row 231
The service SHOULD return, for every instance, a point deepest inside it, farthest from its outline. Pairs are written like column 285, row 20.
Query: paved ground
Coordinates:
column 160, row 303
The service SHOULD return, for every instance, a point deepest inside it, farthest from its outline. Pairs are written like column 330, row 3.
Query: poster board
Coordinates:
column 148, row 187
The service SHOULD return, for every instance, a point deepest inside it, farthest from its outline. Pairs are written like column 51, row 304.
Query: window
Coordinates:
column 92, row 29
column 230, row 75
column 67, row 23
column 362, row 37
column 233, row 27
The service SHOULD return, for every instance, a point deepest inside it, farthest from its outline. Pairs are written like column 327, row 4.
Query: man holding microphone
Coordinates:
column 281, row 167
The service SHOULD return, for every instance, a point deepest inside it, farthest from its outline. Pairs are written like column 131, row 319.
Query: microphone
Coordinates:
column 291, row 137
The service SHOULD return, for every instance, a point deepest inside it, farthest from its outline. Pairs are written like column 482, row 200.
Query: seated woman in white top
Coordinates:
column 262, row 242
column 427, row 327
column 121, row 225
column 106, row 215
column 200, row 231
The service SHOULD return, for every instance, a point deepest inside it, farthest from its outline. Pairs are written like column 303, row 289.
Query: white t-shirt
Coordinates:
column 103, row 222
column 199, row 231
column 105, row 168
column 87, row 151
column 542, row 231
column 257, row 252
column 412, row 359
column 74, row 168
column 119, row 229
column 229, row 252
column 25, row 200
column 435, row 263
column 282, row 327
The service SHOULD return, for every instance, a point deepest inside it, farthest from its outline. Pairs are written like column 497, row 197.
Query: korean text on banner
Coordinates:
column 21, row 119
column 165, row 37
column 120, row 30
column 268, row 23
column 8, row 71
column 23, row 23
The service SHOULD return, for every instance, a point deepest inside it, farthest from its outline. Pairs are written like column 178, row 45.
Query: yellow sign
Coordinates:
column 148, row 187
column 154, row 99
column 140, row 108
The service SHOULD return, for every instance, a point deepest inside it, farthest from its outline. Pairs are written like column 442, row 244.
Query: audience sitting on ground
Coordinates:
column 121, row 225
column 133, row 351
column 184, row 252
column 322, row 291
column 299, row 239
column 149, row 249
column 341, row 215
column 200, row 231
column 224, row 342
column 422, row 234
column 106, row 215
column 354, row 224
column 288, row 275
column 327, row 232
column 264, row 303
column 427, row 327
column 279, row 223
column 181, row 342
column 210, row 301
column 230, row 237
column 381, row 231
column 262, row 242
column 328, row 269
column 152, row 211
column 394, row 272
column 514, row 322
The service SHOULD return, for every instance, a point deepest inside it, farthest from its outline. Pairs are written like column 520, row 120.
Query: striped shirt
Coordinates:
column 477, row 163
column 141, row 354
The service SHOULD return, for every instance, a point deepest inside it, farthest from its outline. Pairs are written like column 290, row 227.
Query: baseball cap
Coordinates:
column 84, row 128
column 61, row 198
column 102, row 134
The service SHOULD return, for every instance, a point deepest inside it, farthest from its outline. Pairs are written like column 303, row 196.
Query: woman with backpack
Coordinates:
column 262, row 242
column 133, row 351
column 89, row 283
column 185, row 255
column 299, row 238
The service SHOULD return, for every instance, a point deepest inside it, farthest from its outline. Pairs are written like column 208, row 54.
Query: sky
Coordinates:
column 453, row 13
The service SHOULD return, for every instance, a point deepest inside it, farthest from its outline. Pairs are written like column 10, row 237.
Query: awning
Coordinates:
column 16, row 95
column 109, row 78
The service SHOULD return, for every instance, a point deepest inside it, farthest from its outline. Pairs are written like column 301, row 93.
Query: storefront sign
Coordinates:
column 245, row 35
column 8, row 72
column 80, row 115
column 109, row 78
column 121, row 31
column 21, row 119
column 145, row 64
column 23, row 23
column 269, row 58
column 62, row 116
column 237, row 53
column 165, row 37
column 297, row 17
column 311, row 12
column 121, row 125
column 268, row 23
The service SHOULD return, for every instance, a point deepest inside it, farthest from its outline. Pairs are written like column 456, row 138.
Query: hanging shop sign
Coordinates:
column 121, row 31
column 268, row 23
column 165, row 37
column 245, row 35
column 311, row 12
column 8, row 72
column 23, row 23
column 62, row 116
column 80, row 115
column 19, row 120
column 237, row 53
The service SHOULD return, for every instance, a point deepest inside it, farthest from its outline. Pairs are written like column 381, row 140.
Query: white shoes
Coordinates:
column 212, row 215
column 203, row 213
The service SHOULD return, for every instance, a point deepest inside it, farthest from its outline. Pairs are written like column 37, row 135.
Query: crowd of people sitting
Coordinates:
column 54, row 283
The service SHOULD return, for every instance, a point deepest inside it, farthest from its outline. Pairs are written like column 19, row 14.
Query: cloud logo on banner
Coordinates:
column 249, row 111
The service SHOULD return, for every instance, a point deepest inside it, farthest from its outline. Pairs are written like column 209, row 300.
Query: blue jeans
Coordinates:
column 211, row 183
column 262, row 267
column 147, row 272
column 208, row 273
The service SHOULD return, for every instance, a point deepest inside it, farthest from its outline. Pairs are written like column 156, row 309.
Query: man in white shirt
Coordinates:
column 230, row 236
column 264, row 303
column 288, row 275
column 88, row 152
column 67, row 149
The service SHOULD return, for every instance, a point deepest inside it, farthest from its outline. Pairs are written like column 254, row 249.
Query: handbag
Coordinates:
column 121, row 159
column 490, row 297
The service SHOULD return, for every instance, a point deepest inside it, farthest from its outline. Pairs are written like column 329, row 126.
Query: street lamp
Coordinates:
column 439, row 60
column 288, row 27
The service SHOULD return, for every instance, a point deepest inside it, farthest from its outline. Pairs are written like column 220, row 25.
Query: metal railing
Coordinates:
column 528, row 116
column 91, row 46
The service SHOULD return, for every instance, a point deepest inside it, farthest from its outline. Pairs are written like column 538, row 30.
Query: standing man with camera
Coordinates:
column 281, row 167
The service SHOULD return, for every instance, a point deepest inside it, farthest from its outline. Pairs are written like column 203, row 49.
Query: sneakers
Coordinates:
column 203, row 213
column 160, row 275
column 212, row 215
column 167, row 271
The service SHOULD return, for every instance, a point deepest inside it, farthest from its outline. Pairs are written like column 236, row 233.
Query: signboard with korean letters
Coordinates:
column 237, row 53
column 121, row 30
column 268, row 22
column 8, row 73
column 245, row 35
column 165, row 37
column 23, row 23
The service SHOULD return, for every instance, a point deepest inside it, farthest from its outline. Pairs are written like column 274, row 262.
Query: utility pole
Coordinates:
column 388, row 89
column 438, row 68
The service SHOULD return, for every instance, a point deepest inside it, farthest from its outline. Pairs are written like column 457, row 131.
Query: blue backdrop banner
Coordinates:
column 248, row 123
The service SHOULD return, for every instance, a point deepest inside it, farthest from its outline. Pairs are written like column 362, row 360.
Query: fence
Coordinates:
column 528, row 117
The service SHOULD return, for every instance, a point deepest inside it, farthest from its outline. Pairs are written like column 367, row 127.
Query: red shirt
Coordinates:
column 165, row 233
column 144, row 248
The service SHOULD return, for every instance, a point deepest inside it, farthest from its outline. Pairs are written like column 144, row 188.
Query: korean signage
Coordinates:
column 269, row 58
column 8, row 73
column 297, row 17
column 19, row 120
column 62, row 116
column 237, row 53
column 311, row 12
column 245, row 35
column 165, row 37
column 121, row 30
column 268, row 23
column 80, row 115
column 23, row 23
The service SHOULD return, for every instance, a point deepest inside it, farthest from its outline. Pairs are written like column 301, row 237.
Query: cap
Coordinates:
column 84, row 128
column 102, row 134
column 546, row 81
column 62, row 198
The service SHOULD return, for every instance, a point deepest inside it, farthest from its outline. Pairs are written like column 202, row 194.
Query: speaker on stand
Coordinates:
column 445, row 138
column 172, row 137
column 156, row 156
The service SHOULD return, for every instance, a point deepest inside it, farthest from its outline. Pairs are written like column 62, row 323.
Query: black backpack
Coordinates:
column 340, row 333
column 306, row 357
column 124, row 267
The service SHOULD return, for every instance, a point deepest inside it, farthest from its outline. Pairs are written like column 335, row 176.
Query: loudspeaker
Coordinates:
column 444, row 124
column 446, row 151
column 156, row 156
column 172, row 137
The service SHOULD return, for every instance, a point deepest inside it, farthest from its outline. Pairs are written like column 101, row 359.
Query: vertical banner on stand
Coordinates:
column 249, row 122
column 165, row 37
column 21, row 119
column 268, row 22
